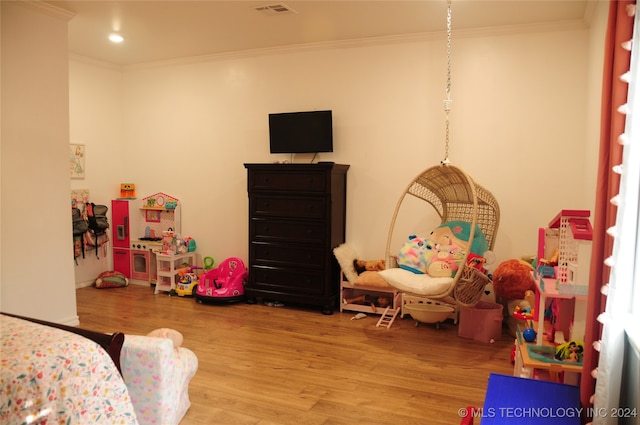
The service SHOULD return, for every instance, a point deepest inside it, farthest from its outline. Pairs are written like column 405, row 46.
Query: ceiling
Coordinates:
column 168, row 30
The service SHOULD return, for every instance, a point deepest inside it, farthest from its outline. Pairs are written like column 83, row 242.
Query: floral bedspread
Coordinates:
column 51, row 376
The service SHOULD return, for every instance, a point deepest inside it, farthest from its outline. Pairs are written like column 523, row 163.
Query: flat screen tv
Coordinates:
column 301, row 132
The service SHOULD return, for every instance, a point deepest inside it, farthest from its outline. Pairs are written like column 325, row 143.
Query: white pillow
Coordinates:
column 419, row 284
column 345, row 254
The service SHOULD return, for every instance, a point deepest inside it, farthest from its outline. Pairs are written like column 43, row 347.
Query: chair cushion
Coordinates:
column 419, row 284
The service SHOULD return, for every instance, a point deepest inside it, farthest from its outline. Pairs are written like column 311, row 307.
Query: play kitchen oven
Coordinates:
column 143, row 259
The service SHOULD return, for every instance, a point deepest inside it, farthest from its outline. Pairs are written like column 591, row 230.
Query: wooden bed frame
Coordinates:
column 111, row 343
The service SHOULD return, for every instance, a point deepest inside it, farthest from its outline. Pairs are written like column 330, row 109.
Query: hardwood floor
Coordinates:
column 292, row 365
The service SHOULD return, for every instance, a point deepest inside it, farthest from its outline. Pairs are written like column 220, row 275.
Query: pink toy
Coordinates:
column 224, row 284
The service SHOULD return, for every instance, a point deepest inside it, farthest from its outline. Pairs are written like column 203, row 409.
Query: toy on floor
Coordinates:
column 359, row 316
column 372, row 300
column 223, row 284
column 111, row 279
column 187, row 281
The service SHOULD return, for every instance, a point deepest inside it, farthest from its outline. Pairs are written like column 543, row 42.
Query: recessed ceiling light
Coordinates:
column 116, row 38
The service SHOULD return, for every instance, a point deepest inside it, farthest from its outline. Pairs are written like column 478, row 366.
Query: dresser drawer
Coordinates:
column 269, row 206
column 302, row 256
column 276, row 279
column 288, row 231
column 288, row 181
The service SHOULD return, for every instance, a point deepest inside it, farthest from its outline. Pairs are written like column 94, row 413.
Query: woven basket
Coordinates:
column 470, row 287
column 455, row 196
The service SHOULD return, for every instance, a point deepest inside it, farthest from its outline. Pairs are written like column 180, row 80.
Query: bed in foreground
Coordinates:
column 50, row 375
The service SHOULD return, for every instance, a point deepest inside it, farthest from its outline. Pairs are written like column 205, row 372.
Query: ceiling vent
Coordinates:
column 275, row 9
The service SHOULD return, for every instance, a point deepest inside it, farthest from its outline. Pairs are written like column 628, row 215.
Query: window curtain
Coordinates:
column 611, row 276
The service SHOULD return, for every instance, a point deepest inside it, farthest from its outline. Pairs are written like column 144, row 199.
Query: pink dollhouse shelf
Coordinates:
column 578, row 222
column 555, row 223
column 547, row 287
column 581, row 228
column 159, row 201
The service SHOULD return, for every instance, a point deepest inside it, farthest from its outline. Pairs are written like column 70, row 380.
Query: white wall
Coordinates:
column 37, row 276
column 96, row 121
column 522, row 101
column 594, row 68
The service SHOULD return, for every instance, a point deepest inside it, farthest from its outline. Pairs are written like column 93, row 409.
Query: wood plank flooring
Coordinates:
column 293, row 365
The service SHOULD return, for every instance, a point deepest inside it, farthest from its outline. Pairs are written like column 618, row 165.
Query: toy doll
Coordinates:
column 570, row 351
column 373, row 301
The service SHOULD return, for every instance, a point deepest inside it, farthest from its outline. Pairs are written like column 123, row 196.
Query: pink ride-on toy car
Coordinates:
column 224, row 284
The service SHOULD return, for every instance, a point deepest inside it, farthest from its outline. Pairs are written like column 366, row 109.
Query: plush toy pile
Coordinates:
column 426, row 265
column 442, row 252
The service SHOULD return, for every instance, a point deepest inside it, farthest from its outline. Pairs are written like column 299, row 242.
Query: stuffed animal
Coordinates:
column 371, row 265
column 512, row 278
column 443, row 260
column 172, row 334
column 412, row 254
column 442, row 252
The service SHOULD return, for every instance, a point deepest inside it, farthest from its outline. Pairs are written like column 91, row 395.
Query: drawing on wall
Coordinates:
column 76, row 158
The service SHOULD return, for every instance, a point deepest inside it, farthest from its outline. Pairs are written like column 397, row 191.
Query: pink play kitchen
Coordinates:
column 142, row 229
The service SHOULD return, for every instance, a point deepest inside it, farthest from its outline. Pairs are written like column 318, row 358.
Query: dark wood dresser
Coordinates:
column 296, row 217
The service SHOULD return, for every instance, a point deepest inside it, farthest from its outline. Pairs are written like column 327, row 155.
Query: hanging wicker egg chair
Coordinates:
column 455, row 196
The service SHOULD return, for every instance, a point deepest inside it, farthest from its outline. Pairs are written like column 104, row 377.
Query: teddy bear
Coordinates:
column 512, row 278
column 368, row 265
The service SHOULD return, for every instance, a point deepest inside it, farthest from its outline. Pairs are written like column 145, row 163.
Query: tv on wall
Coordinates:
column 301, row 132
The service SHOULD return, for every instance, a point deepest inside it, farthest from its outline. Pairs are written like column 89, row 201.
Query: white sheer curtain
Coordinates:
column 618, row 380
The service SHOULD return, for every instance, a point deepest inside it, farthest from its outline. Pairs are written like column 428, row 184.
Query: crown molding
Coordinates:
column 47, row 9
column 572, row 25
column 95, row 62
